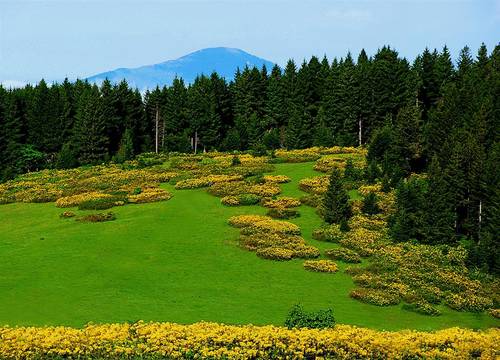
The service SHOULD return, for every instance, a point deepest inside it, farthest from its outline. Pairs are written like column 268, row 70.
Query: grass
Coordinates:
column 173, row 261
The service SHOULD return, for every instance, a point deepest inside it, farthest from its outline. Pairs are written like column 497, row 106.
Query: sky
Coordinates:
column 54, row 39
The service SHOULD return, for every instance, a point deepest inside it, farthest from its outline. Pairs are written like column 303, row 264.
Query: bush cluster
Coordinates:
column 299, row 318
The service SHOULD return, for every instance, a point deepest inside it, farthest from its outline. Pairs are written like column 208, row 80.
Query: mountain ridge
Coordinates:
column 223, row 60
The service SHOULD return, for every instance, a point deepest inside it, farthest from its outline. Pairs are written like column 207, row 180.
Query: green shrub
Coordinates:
column 330, row 233
column 102, row 204
column 101, row 217
column 282, row 213
column 249, row 199
column 422, row 307
column 343, row 254
column 312, row 200
column 298, row 318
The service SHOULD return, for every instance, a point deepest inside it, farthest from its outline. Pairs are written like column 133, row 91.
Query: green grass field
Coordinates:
column 173, row 261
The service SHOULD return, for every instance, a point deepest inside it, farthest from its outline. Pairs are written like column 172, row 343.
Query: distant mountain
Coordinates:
column 223, row 60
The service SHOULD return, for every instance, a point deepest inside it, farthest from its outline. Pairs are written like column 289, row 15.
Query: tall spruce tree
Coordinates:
column 336, row 200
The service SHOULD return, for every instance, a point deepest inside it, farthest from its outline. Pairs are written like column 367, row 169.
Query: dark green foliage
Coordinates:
column 372, row 172
column 67, row 157
column 126, row 149
column 370, row 205
column 249, row 199
column 103, row 204
column 407, row 223
column 336, row 200
column 351, row 173
column 299, row 318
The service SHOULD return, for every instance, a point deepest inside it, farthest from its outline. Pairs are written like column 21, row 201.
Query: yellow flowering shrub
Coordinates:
column 327, row 163
column 320, row 266
column 150, row 195
column 343, row 254
column 362, row 240
column 281, row 202
column 278, row 179
column 75, row 200
column 275, row 253
column 343, row 150
column 375, row 296
column 71, row 187
column 230, row 200
column 246, row 220
column 495, row 313
column 296, row 156
column 268, row 238
column 314, row 185
column 205, row 181
column 217, row 341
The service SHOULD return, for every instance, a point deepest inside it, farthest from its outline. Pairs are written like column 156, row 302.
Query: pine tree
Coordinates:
column 126, row 149
column 90, row 128
column 336, row 200
column 407, row 223
column 370, row 205
column 439, row 214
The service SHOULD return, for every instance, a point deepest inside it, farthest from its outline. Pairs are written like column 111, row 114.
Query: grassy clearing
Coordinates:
column 173, row 261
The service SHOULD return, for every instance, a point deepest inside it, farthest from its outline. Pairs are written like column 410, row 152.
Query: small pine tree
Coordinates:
column 350, row 172
column 372, row 172
column 370, row 205
column 126, row 149
column 336, row 201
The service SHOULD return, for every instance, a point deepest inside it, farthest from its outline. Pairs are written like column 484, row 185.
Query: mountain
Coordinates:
column 223, row 60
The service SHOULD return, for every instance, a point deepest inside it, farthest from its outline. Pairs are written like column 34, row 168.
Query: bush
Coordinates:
column 101, row 217
column 282, row 213
column 321, row 266
column 422, row 307
column 102, row 203
column 298, row 318
column 313, row 200
column 343, row 254
column 275, row 253
column 249, row 199
column 375, row 296
column 330, row 233
column 67, row 214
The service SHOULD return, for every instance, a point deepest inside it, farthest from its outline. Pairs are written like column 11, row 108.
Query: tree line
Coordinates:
column 429, row 116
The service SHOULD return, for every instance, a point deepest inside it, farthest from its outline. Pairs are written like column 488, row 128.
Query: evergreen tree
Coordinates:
column 370, row 205
column 90, row 128
column 336, row 200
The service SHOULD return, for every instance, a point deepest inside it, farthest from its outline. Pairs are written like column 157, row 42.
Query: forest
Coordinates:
column 433, row 117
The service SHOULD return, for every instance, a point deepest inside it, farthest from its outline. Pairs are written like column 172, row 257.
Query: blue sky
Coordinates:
column 75, row 38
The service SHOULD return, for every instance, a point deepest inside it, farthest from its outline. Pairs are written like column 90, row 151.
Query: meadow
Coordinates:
column 178, row 261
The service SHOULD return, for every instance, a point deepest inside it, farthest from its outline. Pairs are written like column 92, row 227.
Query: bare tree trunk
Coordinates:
column 480, row 220
column 360, row 135
column 195, row 141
